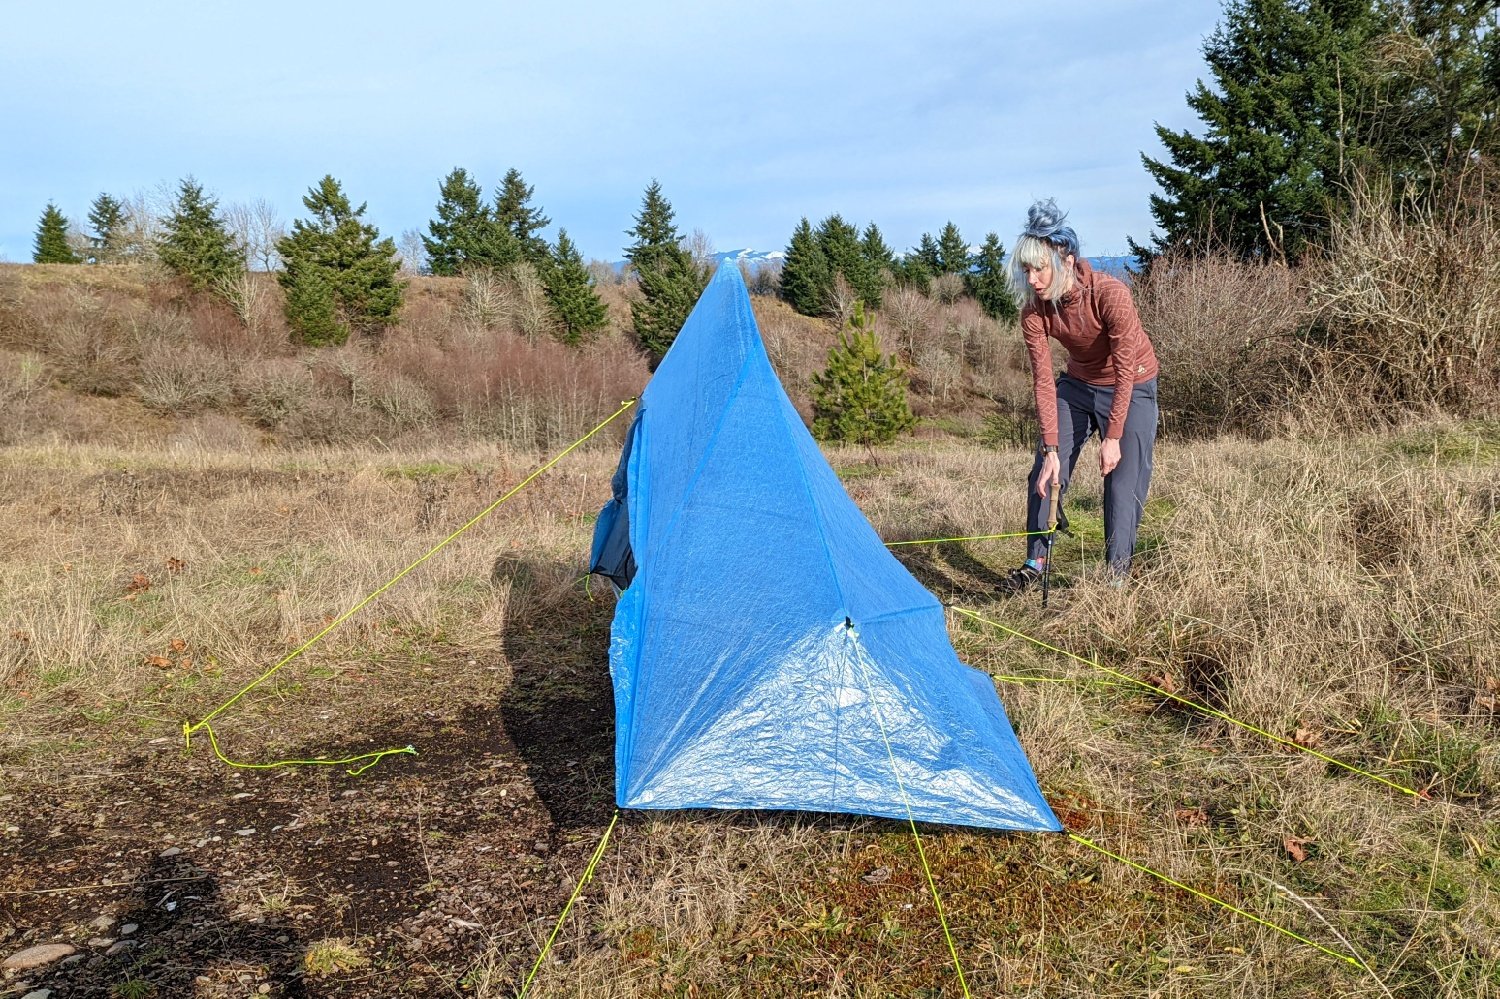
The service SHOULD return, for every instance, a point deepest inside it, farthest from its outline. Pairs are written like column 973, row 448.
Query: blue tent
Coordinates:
column 767, row 650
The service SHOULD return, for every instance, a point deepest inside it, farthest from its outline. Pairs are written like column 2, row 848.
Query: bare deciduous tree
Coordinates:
column 258, row 228
column 700, row 247
column 413, row 252
column 841, row 299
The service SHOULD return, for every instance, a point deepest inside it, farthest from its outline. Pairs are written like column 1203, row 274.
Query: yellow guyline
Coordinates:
column 1279, row 740
column 911, row 820
column 588, row 875
column 372, row 758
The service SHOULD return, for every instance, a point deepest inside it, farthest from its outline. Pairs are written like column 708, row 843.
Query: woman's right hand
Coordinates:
column 1050, row 467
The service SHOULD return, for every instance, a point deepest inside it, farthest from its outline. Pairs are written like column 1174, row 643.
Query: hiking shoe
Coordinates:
column 1020, row 580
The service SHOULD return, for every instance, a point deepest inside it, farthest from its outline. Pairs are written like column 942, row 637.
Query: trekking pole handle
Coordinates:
column 1052, row 498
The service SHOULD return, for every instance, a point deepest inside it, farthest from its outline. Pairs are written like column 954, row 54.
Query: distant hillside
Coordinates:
column 1120, row 265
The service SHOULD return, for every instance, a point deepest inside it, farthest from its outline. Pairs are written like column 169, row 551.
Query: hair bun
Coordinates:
column 1044, row 219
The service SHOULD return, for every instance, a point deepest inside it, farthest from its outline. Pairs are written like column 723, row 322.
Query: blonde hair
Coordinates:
column 1046, row 239
column 1033, row 253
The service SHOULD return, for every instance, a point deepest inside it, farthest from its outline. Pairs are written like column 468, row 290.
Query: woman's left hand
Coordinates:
column 1109, row 455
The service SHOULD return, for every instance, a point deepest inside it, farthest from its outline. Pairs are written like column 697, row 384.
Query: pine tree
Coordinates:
column 989, row 282
column 570, row 291
column 520, row 221
column 110, row 221
column 876, row 262
column 952, row 251
column 1259, row 180
column 465, row 234
column 339, row 276
column 51, row 245
column 805, row 277
column 861, row 396
column 196, row 243
column 670, row 282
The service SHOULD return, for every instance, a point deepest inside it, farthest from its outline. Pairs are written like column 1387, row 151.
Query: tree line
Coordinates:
column 340, row 277
column 1309, row 100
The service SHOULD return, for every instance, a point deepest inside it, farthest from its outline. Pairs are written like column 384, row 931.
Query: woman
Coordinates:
column 1109, row 386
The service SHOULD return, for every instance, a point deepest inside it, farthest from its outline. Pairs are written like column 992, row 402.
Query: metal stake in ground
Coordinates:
column 1053, row 498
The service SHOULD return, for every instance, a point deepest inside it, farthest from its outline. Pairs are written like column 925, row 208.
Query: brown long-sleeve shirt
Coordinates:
column 1097, row 323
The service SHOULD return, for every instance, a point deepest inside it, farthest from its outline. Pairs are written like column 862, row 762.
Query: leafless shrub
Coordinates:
column 487, row 299
column 23, row 376
column 1408, row 301
column 605, row 274
column 937, row 372
column 249, row 296
column 321, row 420
column 1224, row 331
column 403, row 401
column 532, row 316
column 182, row 380
column 947, row 288
column 764, row 278
column 276, row 389
column 841, row 300
column 909, row 315
column 90, row 352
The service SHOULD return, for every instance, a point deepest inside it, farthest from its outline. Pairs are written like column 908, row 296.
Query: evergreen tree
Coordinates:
column 877, row 264
column 520, row 221
column 841, row 248
column 952, row 251
column 465, row 234
column 196, row 243
column 655, row 230
column 861, row 396
column 805, row 277
column 339, row 276
column 1434, row 90
column 570, row 291
column 110, row 221
column 989, row 281
column 51, row 245
column 928, row 255
column 670, row 282
column 1275, row 140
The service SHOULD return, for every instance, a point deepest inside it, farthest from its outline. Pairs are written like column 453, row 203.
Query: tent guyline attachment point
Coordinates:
column 188, row 728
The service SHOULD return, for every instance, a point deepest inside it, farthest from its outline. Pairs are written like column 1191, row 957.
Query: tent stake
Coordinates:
column 1051, row 538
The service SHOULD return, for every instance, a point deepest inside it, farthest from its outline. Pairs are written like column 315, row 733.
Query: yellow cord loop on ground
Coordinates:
column 373, row 758
column 1186, row 702
column 588, row 874
column 937, row 900
column 1348, row 958
column 977, row 537
column 189, row 729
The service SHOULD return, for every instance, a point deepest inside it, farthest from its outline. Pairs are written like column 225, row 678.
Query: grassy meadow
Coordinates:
column 185, row 500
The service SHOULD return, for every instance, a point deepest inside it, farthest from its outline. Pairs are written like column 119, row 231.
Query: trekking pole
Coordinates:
column 1053, row 499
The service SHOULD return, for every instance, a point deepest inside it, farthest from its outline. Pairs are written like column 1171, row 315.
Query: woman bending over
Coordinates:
column 1108, row 387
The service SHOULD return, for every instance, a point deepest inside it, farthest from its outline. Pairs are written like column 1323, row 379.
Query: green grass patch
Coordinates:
column 1474, row 441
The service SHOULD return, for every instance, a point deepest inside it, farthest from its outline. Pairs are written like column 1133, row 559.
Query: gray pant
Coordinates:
column 1082, row 411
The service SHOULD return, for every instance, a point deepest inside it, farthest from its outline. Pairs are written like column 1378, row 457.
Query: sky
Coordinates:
column 750, row 115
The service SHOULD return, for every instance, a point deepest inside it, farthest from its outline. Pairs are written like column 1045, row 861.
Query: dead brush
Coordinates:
column 1224, row 331
column 1408, row 302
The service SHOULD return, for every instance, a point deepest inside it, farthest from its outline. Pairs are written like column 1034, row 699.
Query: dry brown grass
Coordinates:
column 1345, row 603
